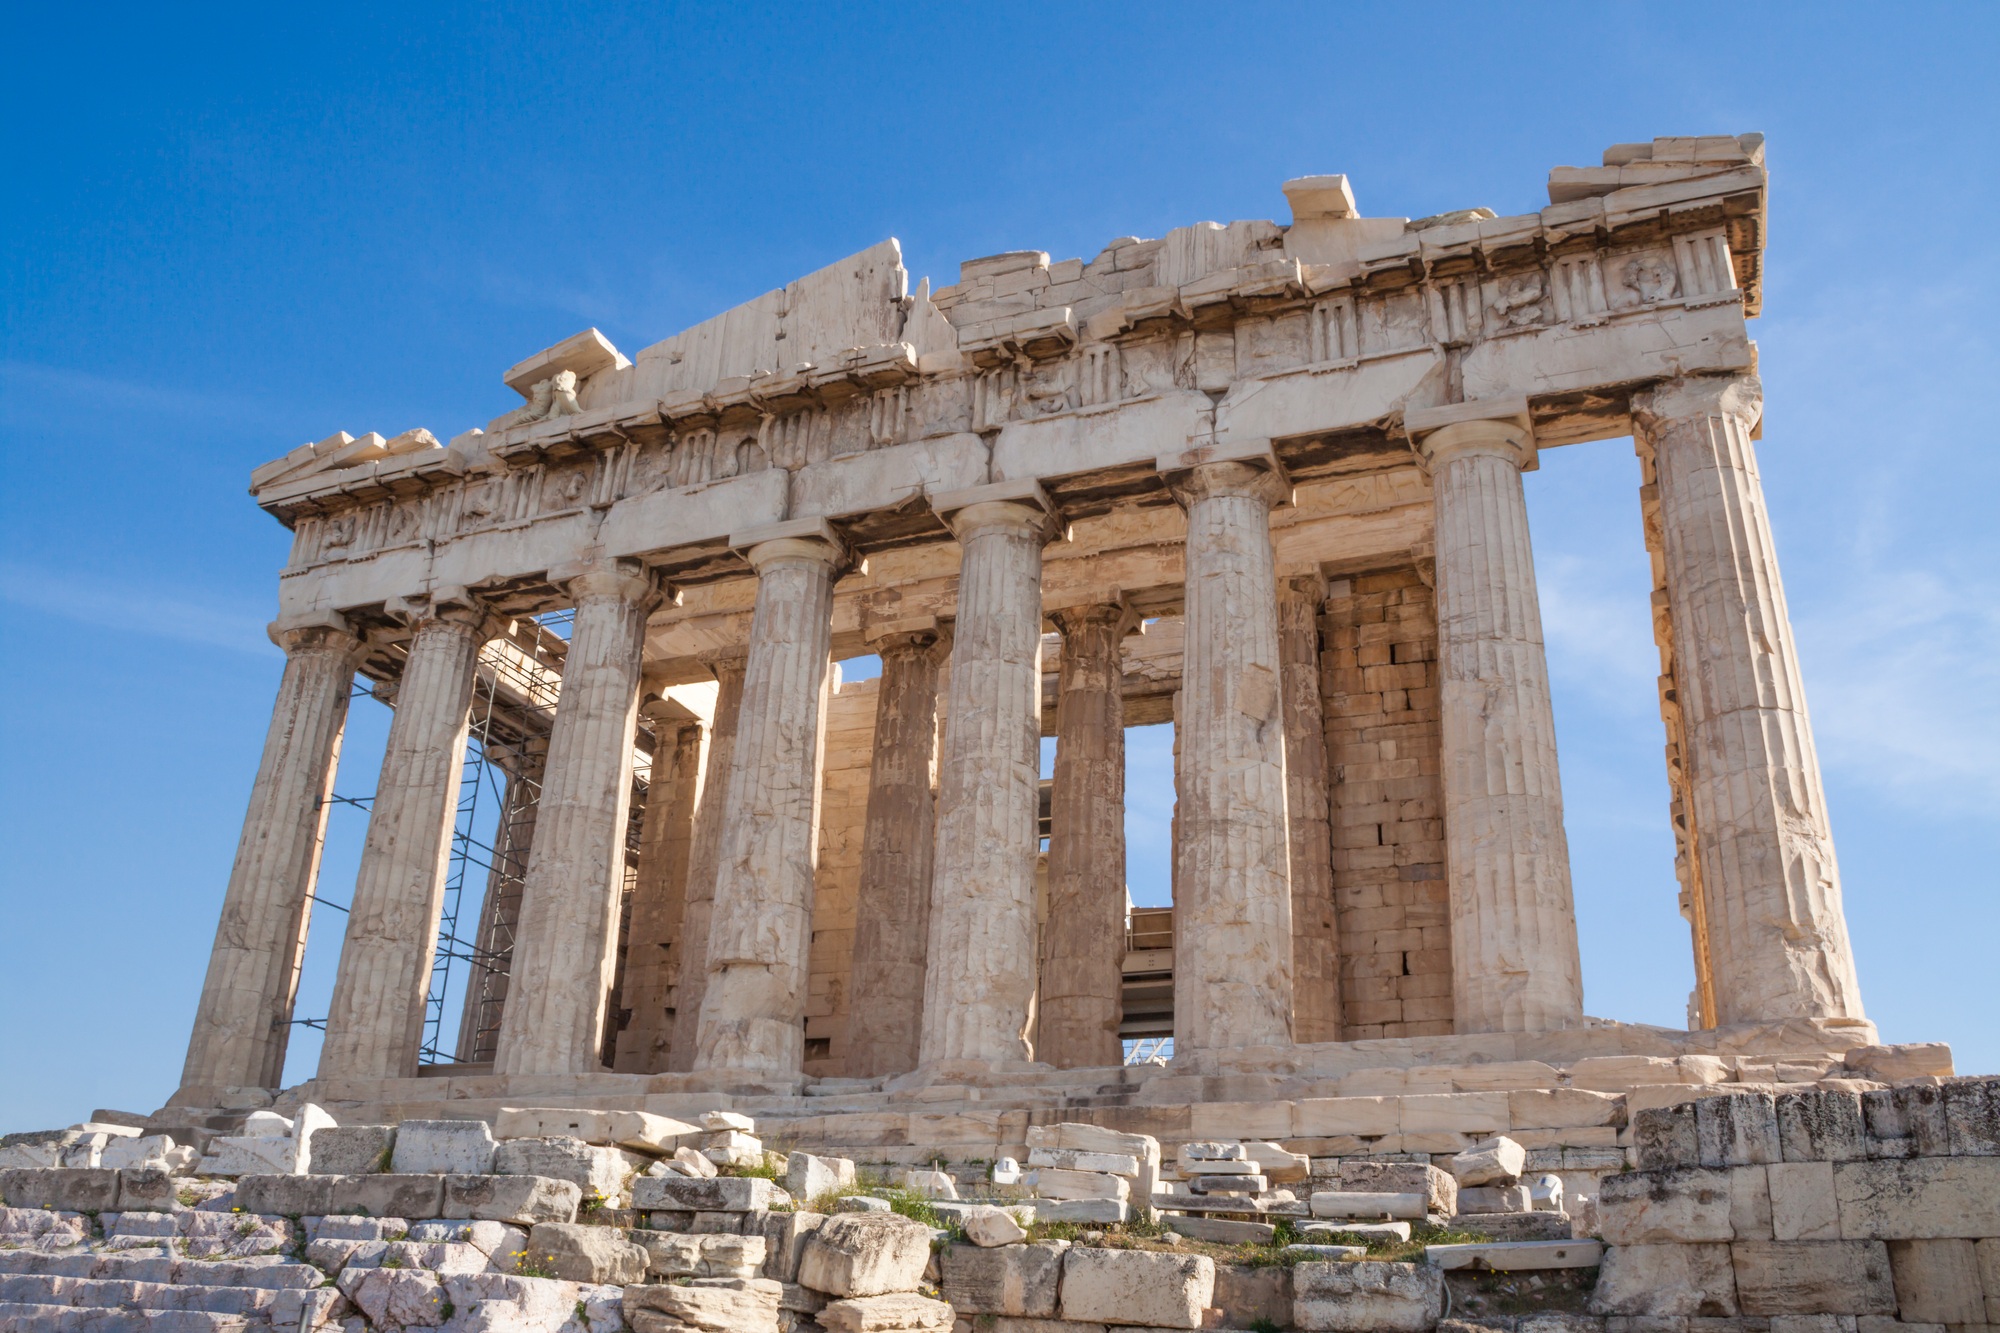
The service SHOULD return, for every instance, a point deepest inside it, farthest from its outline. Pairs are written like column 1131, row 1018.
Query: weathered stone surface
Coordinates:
column 1055, row 1183
column 352, row 1150
column 1670, row 1205
column 1890, row 1064
column 1075, row 1159
column 1665, row 1280
column 1737, row 1130
column 1346, row 1203
column 1938, row 1282
column 1366, row 1297
column 1821, row 1125
column 395, row 1297
column 1803, row 1204
column 1480, row 1199
column 671, row 1254
column 1015, row 1280
column 1517, row 1256
column 521, row 1200
column 1971, row 1113
column 1222, row 1230
column 1826, row 1277
column 784, row 1240
column 391, row 1195
column 603, row 1172
column 1256, row 1297
column 1665, row 1136
column 739, row 1307
column 443, row 1147
column 291, row 1196
column 1439, row 1188
column 1750, row 1203
column 865, row 1254
column 638, row 1130
column 1136, row 1287
column 1105, row 1211
column 723, row 1194
column 808, row 1177
column 60, row 1189
column 659, row 893
column 1497, row 1161
column 884, row 1314
column 1928, row 1199
column 575, row 1253
column 986, row 1226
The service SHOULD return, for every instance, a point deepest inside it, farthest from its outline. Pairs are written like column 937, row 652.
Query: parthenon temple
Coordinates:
column 1261, row 480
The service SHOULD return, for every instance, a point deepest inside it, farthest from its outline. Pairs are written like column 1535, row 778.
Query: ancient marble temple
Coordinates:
column 1261, row 479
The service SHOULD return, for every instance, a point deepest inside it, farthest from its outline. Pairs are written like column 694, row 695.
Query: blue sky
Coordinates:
column 231, row 230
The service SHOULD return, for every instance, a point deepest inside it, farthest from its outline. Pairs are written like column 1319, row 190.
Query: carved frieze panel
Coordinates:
column 1159, row 365
column 1454, row 311
column 795, row 439
column 1214, row 361
column 886, row 411
column 1047, row 387
column 1268, row 344
column 993, row 395
column 1515, row 301
column 1577, row 285
column 1333, row 331
column 1399, row 322
column 1706, row 270
column 1103, row 378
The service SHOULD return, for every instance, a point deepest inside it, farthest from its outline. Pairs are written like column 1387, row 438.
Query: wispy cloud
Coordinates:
column 30, row 391
column 134, row 609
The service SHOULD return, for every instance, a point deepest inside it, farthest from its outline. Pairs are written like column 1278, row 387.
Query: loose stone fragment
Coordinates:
column 575, row 1253
column 1136, row 1287
column 1367, row 1297
column 884, row 1314
column 1497, row 1161
column 808, row 1177
column 443, row 1147
column 987, row 1226
column 1019, row 1281
column 865, row 1254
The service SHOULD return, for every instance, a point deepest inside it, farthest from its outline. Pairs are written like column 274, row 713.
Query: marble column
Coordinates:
column 1513, row 923
column 1233, row 910
column 1083, row 942
column 1315, row 932
column 375, row 1026
column 705, row 857
column 659, row 895
column 565, row 946
column 893, row 907
column 760, row 930
column 1776, row 933
column 979, row 984
column 243, row 1022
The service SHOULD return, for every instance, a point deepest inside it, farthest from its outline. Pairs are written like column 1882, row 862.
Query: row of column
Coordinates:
column 947, row 932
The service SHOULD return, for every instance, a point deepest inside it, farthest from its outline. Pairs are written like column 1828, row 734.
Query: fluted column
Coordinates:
column 1513, row 923
column 1083, row 943
column 500, row 910
column 705, row 858
column 1315, row 932
column 760, row 933
column 979, row 985
column 893, row 908
column 375, row 1026
column 659, row 897
column 565, row 947
column 1770, row 886
column 243, row 1022
column 1233, row 912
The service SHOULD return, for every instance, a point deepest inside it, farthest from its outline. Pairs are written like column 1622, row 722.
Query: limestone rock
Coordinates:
column 785, row 1237
column 1136, row 1287
column 1279, row 1165
column 1107, row 1212
column 395, row 1297
column 520, row 1200
column 931, row 1184
column 504, row 1303
column 739, row 1307
column 586, row 1253
column 1493, row 1199
column 1055, row 1183
column 1496, row 1161
column 1545, row 1194
column 987, row 1227
column 1006, row 1171
column 640, row 1131
column 884, row 1314
column 352, row 1150
column 1939, row 1282
column 1827, row 1277
column 1675, row 1204
column 732, row 1148
column 1821, row 1126
column 808, row 1177
column 1019, row 1281
column 1941, row 1198
column 722, row 1194
column 1224, row 1231
column 717, row 1121
column 443, row 1147
column 862, row 1203
column 1737, row 1130
column 1439, row 1188
column 674, row 1255
column 1349, row 1203
column 1366, row 1296
column 1076, row 1159
column 600, row 1171
column 865, row 1254
column 1665, row 1280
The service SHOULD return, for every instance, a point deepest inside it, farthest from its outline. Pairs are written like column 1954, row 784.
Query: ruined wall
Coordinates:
column 850, row 751
column 1380, row 680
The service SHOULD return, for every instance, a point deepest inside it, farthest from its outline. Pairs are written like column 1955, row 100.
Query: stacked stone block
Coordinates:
column 1380, row 682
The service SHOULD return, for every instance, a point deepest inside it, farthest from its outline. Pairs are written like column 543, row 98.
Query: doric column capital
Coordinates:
column 1739, row 396
column 316, row 631
column 1116, row 613
column 456, row 608
column 1497, row 438
column 792, row 552
column 612, row 580
column 1208, row 481
column 909, row 639
column 725, row 662
column 1022, row 507
column 665, row 714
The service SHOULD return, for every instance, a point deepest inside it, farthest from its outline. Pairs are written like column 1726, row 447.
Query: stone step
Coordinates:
column 269, row 1272
column 44, row 1289
column 32, row 1318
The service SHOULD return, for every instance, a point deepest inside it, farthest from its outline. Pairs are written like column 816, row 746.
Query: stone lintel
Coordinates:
column 791, row 529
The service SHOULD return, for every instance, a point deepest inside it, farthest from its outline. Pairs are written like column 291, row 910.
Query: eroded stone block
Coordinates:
column 1365, row 1296
column 443, row 1147
column 1971, row 1113
column 1669, row 1280
column 1934, row 1198
column 1664, row 1136
column 390, row 1195
column 575, row 1253
column 1906, row 1122
column 1670, row 1205
column 520, row 1200
column 723, row 1194
column 1817, row 1277
column 1937, row 1281
column 1153, row 1289
column 1803, row 1206
column 352, row 1150
column 1015, row 1280
column 1821, row 1126
column 865, row 1254
column 1737, row 1130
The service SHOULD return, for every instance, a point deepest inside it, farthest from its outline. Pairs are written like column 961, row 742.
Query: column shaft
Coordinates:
column 659, row 898
column 243, row 1022
column 500, row 910
column 1233, row 919
column 1776, row 932
column 1513, row 927
column 893, row 908
column 1315, row 934
column 1083, row 942
column 565, row 947
column 979, row 984
column 760, row 932
column 704, row 860
column 375, row 1026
